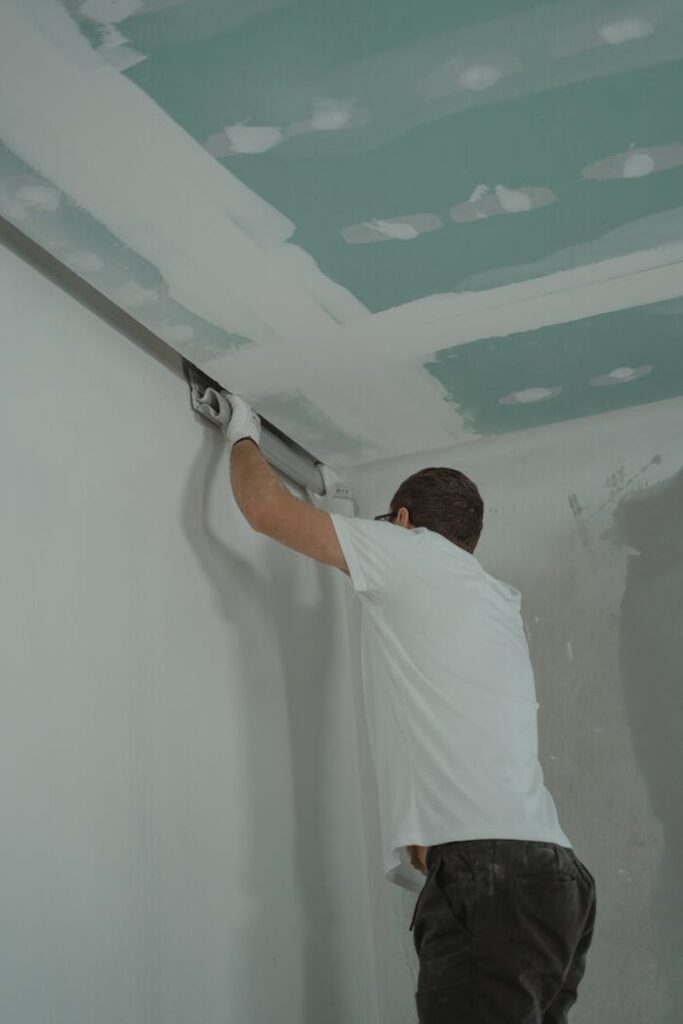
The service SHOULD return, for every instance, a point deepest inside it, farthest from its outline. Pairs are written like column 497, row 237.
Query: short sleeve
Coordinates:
column 376, row 553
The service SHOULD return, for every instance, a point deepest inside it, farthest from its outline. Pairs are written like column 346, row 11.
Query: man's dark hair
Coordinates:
column 443, row 500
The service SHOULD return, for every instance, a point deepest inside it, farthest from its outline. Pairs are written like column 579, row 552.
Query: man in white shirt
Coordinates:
column 506, row 914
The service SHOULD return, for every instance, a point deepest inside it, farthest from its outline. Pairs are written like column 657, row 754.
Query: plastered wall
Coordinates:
column 585, row 519
column 189, row 814
column 180, row 797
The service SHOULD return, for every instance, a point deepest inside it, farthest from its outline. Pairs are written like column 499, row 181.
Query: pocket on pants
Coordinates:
column 417, row 904
column 546, row 866
column 457, row 889
column 443, row 918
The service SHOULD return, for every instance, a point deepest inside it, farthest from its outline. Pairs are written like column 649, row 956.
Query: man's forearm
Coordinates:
column 265, row 501
column 254, row 484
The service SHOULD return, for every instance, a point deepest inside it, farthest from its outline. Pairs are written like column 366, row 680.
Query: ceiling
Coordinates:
column 393, row 225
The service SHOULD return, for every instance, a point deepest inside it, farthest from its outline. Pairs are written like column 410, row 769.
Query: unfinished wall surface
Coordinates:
column 180, row 798
column 585, row 519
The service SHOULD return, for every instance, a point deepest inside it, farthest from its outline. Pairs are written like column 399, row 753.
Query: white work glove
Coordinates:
column 231, row 413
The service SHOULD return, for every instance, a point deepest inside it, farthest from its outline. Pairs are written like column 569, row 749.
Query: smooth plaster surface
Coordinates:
column 181, row 807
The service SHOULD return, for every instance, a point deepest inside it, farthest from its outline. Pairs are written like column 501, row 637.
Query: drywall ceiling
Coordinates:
column 391, row 225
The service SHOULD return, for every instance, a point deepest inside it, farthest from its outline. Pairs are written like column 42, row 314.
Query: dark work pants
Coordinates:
column 501, row 929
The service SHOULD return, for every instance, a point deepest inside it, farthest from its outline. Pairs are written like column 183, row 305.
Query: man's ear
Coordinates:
column 403, row 519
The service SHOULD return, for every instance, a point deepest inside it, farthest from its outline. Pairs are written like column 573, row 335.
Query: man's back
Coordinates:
column 449, row 695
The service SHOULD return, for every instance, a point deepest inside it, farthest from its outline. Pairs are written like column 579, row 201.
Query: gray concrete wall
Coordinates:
column 586, row 519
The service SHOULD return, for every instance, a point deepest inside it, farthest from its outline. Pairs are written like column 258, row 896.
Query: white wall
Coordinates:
column 180, row 795
column 586, row 519
column 189, row 821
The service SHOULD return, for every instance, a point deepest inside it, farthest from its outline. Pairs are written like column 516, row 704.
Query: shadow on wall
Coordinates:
column 302, row 637
column 651, row 661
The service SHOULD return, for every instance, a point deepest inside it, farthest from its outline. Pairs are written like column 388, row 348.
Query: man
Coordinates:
column 506, row 914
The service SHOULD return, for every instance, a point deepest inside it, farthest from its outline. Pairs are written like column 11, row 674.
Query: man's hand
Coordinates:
column 416, row 860
column 235, row 417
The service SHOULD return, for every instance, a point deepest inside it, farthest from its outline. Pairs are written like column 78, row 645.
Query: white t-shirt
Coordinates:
column 449, row 695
